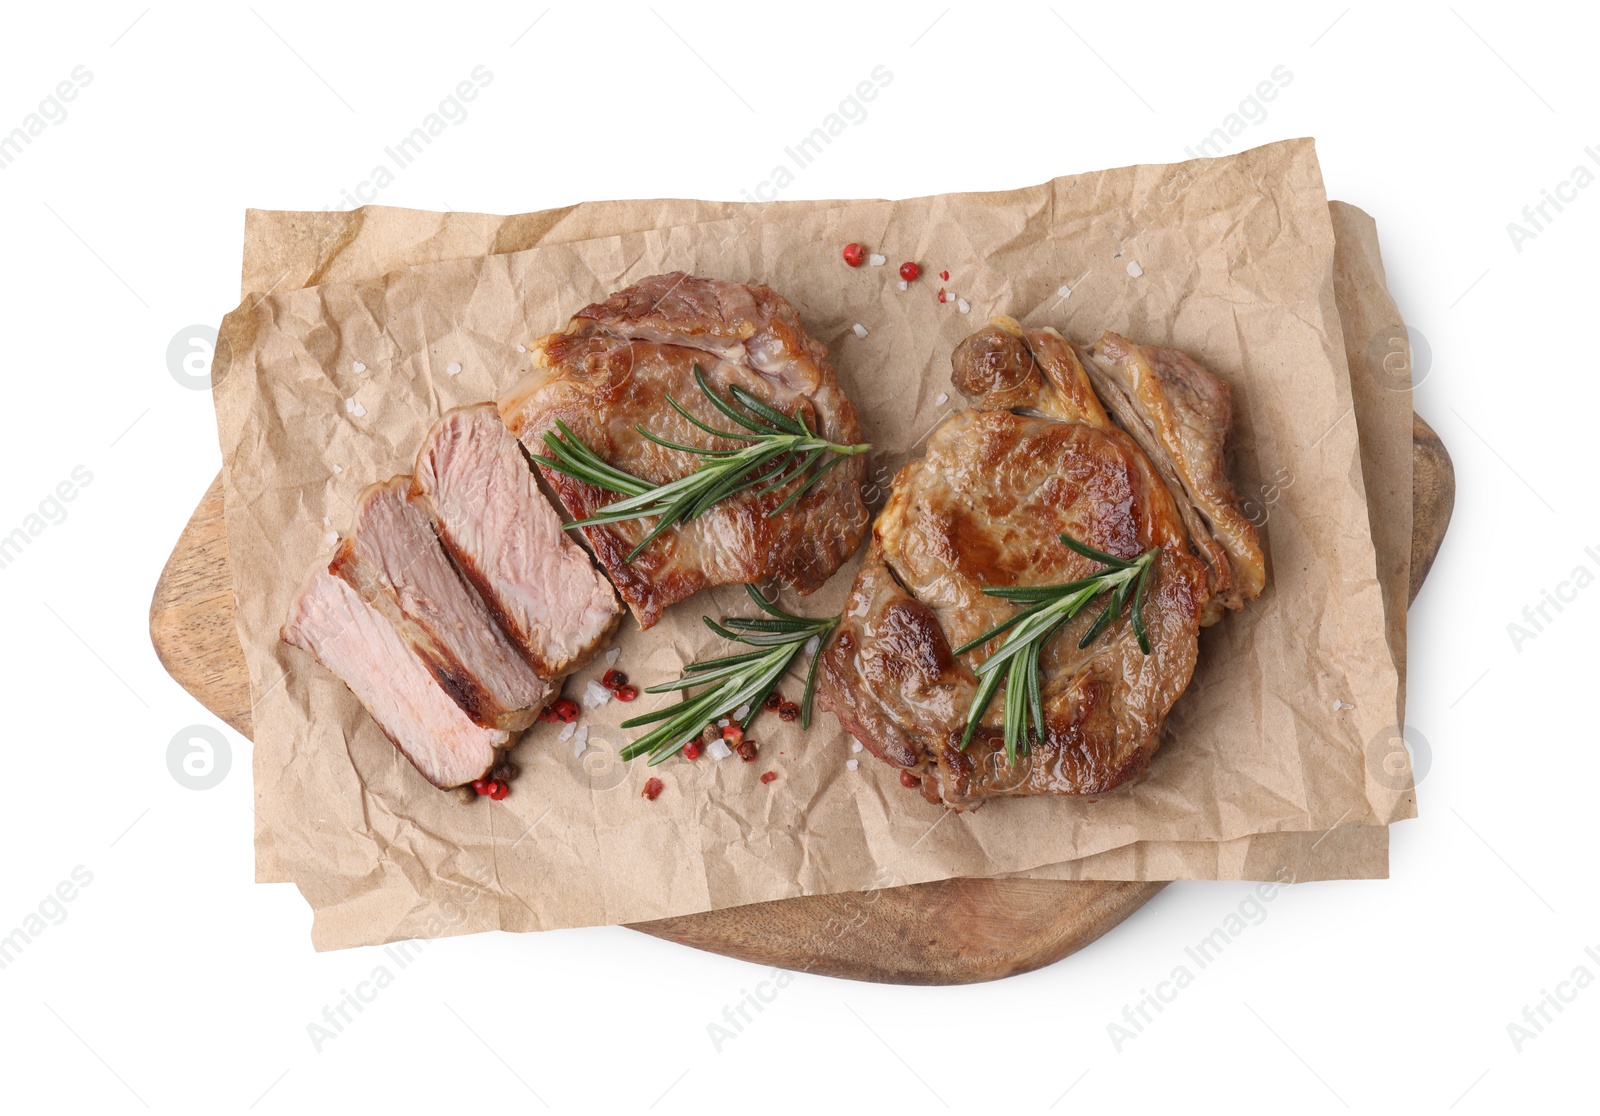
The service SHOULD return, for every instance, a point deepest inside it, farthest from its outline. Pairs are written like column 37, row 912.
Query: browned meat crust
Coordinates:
column 611, row 370
column 983, row 508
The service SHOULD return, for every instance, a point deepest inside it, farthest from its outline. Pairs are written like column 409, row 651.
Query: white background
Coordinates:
column 175, row 983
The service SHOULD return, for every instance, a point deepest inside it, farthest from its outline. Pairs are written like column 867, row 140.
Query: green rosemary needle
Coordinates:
column 736, row 682
column 781, row 449
column 1050, row 607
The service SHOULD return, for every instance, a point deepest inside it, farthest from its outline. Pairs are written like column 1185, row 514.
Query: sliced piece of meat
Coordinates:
column 1182, row 417
column 509, row 543
column 611, row 370
column 395, row 561
column 350, row 638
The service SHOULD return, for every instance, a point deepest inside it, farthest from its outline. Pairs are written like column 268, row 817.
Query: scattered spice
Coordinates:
column 627, row 693
column 909, row 780
column 945, row 275
column 771, row 702
column 691, row 750
column 788, row 711
column 653, row 787
column 505, row 771
column 910, row 272
column 480, row 786
column 854, row 254
column 733, row 734
column 941, row 294
column 746, row 750
column 465, row 795
column 768, row 776
column 565, row 710
column 614, row 678
column 498, row 790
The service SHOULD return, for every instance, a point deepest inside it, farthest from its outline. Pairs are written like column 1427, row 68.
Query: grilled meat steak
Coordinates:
column 611, row 370
column 508, row 542
column 354, row 641
column 457, row 601
column 984, row 508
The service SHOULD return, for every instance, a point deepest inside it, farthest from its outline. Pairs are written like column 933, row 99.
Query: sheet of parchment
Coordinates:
column 287, row 250
column 1236, row 267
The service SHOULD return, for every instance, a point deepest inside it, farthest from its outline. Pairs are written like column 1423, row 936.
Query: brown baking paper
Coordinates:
column 289, row 250
column 1235, row 258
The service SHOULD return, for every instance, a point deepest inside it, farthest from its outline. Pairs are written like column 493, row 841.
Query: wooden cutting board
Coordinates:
column 948, row 932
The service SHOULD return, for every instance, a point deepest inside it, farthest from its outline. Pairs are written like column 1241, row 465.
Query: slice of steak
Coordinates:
column 353, row 640
column 508, row 542
column 612, row 369
column 984, row 508
column 1182, row 417
column 395, row 561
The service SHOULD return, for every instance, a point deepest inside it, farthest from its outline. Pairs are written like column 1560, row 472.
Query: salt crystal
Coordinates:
column 566, row 731
column 860, row 330
column 876, row 260
column 904, row 286
column 718, row 750
column 338, row 468
column 741, row 713
column 611, row 656
column 522, row 348
column 855, row 745
column 454, row 368
column 812, row 644
column 331, row 537
column 942, row 398
column 723, row 723
column 1134, row 269
column 963, row 305
column 580, row 741
column 358, row 367
column 852, row 764
column 1338, row 705
column 1064, row 291
column 595, row 694
column 326, row 521
column 354, row 406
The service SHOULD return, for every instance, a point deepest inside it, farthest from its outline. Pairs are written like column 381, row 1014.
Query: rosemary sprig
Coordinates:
column 781, row 449
column 1050, row 607
column 735, row 681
